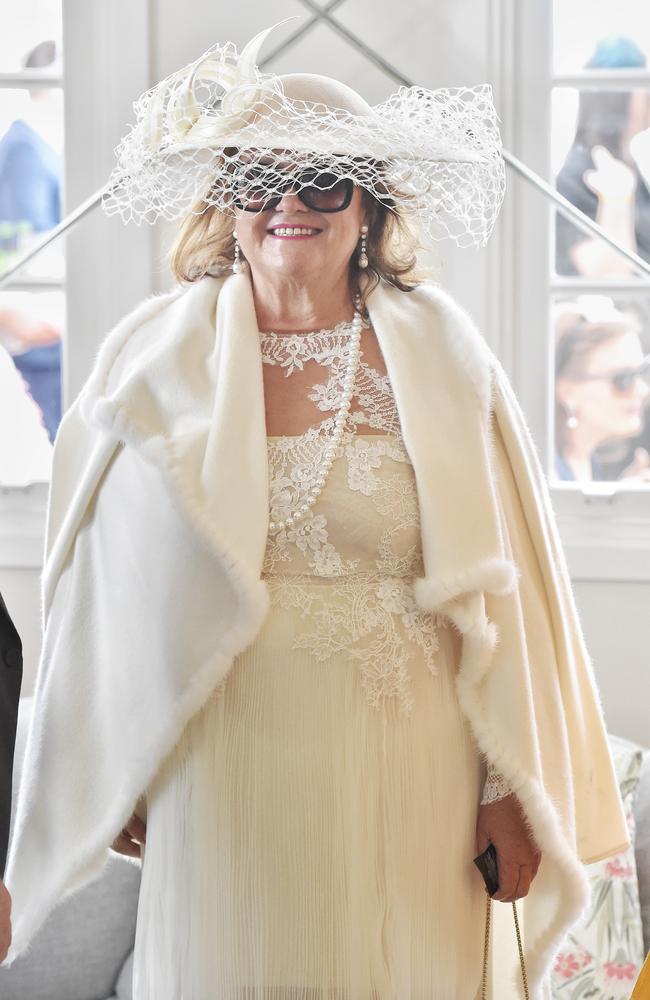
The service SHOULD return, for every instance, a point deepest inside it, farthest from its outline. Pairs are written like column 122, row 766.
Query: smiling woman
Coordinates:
column 206, row 243
column 320, row 681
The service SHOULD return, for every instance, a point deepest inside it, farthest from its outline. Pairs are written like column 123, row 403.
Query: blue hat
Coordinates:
column 617, row 52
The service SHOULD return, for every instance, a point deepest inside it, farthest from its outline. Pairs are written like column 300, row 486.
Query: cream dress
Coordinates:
column 311, row 835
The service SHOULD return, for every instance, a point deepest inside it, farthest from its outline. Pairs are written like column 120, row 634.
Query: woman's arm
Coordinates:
column 496, row 787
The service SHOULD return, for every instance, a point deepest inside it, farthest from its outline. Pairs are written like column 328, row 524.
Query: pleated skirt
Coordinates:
column 303, row 843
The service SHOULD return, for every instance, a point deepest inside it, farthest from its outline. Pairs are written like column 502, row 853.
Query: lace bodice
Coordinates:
column 361, row 540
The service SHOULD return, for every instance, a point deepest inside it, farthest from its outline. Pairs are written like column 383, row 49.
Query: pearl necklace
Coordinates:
column 341, row 419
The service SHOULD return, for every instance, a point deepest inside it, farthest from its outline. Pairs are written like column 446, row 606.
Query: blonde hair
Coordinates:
column 205, row 244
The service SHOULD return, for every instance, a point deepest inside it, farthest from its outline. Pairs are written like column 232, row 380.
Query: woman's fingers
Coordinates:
column 130, row 838
column 514, row 883
column 124, row 845
column 525, row 879
column 136, row 829
column 508, row 881
column 5, row 921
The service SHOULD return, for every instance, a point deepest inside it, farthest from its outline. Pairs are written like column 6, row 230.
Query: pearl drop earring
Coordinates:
column 571, row 420
column 363, row 256
column 238, row 264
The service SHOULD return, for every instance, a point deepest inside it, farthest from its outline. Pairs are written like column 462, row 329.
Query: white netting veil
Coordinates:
column 219, row 132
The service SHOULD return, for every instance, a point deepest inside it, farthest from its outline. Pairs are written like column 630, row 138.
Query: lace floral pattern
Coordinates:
column 496, row 787
column 350, row 582
column 357, row 611
column 357, row 614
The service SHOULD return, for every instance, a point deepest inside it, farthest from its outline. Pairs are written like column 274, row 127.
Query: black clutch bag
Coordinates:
column 487, row 865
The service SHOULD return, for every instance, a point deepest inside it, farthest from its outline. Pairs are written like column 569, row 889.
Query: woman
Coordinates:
column 601, row 390
column 295, row 674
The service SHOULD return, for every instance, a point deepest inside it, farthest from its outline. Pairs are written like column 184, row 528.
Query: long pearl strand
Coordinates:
column 341, row 419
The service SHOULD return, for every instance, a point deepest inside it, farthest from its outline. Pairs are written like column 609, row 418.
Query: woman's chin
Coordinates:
column 292, row 260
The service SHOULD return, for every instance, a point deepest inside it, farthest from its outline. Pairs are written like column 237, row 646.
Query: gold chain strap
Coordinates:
column 486, row 948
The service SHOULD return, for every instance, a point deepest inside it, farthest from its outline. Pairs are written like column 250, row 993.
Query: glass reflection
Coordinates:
column 578, row 24
column 30, row 204
column 24, row 23
column 606, row 171
column 602, row 390
column 28, row 319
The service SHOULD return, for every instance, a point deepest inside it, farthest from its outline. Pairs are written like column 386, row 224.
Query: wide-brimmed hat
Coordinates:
column 220, row 128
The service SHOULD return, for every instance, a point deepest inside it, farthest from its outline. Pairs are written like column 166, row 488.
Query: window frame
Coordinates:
column 23, row 508
column 100, row 252
column 605, row 531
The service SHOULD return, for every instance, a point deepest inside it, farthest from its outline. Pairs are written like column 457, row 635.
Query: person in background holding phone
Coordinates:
column 605, row 170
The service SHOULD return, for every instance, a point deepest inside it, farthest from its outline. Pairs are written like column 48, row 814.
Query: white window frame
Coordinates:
column 605, row 529
column 103, row 280
column 22, row 509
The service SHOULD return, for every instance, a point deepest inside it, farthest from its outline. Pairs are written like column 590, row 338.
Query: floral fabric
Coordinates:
column 602, row 955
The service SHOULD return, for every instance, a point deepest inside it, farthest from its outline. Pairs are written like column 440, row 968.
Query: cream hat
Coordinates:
column 217, row 125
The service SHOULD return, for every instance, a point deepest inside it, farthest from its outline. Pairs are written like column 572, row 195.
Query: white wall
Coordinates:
column 121, row 48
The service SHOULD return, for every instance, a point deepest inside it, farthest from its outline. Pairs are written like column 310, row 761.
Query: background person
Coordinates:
column 602, row 383
column 602, row 173
column 30, row 203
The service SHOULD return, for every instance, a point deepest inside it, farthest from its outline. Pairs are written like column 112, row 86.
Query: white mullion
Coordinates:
column 609, row 79
column 19, row 81
column 43, row 284
column 501, row 283
column 574, row 287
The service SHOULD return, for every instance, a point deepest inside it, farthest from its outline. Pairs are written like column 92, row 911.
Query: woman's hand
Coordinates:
column 611, row 178
column 27, row 329
column 5, row 921
column 130, row 838
column 502, row 823
column 639, row 467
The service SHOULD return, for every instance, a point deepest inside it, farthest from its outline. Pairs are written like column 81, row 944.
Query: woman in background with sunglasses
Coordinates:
column 291, row 552
column 602, row 384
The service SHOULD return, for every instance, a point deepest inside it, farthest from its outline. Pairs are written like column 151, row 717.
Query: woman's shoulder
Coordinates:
column 436, row 310
column 142, row 332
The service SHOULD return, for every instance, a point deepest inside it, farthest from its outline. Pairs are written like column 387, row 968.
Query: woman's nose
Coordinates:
column 642, row 388
column 290, row 201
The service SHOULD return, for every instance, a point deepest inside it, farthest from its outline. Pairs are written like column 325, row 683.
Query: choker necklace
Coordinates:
column 341, row 418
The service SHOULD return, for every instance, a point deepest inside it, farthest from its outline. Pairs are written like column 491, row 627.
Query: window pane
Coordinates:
column 32, row 326
column 609, row 35
column 602, row 388
column 26, row 24
column 31, row 167
column 607, row 133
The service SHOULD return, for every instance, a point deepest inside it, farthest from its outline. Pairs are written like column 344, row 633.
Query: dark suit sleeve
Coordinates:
column 11, row 673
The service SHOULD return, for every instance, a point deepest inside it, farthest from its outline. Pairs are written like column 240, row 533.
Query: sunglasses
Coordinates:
column 624, row 380
column 320, row 190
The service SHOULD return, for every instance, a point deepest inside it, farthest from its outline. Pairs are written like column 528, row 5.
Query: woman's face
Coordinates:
column 605, row 409
column 327, row 246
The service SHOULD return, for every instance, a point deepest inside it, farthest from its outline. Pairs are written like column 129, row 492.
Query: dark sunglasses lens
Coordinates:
column 327, row 193
column 251, row 191
column 624, row 381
